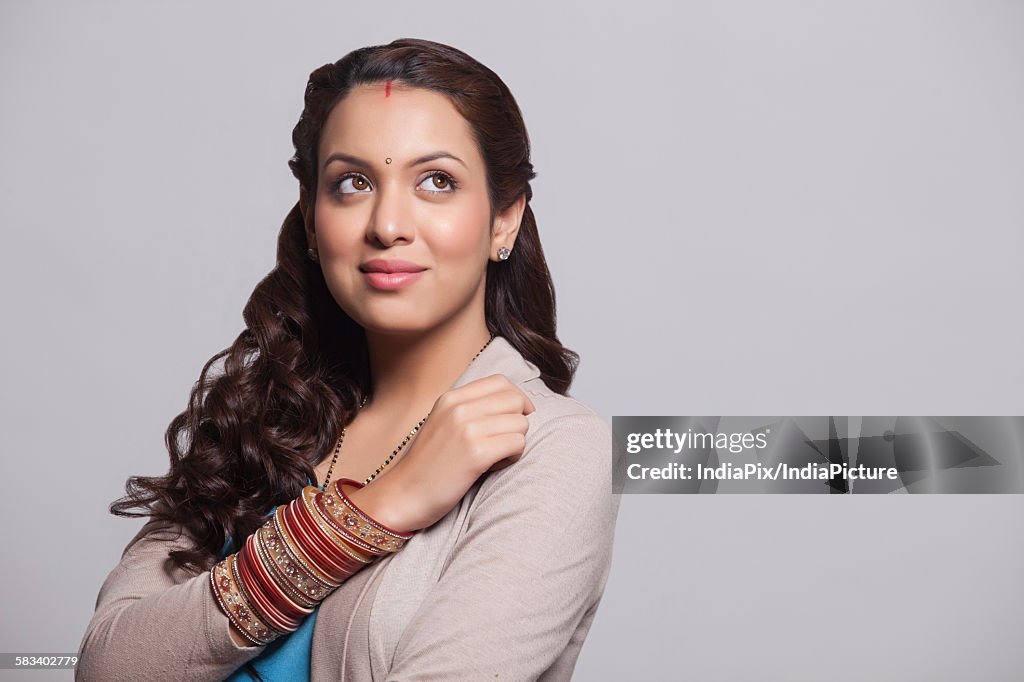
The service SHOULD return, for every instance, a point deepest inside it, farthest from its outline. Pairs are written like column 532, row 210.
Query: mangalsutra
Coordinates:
column 394, row 453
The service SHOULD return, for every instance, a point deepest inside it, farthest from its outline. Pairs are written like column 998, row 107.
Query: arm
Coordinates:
column 531, row 566
column 154, row 622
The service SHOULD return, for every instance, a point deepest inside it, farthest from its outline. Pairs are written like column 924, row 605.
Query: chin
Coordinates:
column 392, row 324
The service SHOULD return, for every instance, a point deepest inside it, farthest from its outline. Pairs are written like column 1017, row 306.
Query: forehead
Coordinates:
column 395, row 120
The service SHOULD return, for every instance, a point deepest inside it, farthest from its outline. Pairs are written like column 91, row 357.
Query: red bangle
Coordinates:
column 304, row 544
column 296, row 555
column 339, row 529
column 279, row 598
column 262, row 599
column 336, row 564
column 337, row 542
column 235, row 606
column 339, row 568
column 373, row 522
column 255, row 589
column 246, row 594
column 272, row 559
column 360, row 525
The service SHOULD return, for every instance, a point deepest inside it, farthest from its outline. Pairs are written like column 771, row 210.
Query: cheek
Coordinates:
column 337, row 239
column 336, row 231
column 464, row 234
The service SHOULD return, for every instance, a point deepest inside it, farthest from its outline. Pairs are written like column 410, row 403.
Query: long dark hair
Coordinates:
column 253, row 431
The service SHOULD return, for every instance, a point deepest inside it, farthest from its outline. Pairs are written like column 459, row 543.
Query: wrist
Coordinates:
column 382, row 502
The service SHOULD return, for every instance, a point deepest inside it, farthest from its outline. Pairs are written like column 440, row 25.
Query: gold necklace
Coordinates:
column 415, row 429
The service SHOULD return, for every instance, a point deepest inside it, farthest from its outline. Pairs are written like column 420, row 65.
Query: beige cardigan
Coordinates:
column 505, row 586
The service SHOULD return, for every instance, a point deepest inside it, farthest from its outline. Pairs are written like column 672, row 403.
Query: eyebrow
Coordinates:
column 356, row 161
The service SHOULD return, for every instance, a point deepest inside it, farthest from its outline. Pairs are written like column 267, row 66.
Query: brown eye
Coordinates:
column 438, row 182
column 351, row 184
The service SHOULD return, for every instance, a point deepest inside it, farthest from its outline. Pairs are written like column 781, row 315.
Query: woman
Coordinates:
column 400, row 372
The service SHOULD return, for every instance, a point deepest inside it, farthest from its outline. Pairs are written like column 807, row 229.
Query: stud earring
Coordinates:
column 503, row 253
column 312, row 255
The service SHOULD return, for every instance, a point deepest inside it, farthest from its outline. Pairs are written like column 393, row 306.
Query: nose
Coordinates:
column 391, row 221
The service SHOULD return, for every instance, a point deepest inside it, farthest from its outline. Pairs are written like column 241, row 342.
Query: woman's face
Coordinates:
column 402, row 186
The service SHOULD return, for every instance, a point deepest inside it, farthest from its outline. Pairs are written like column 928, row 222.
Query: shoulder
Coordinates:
column 562, row 416
column 563, row 478
column 565, row 436
column 568, row 444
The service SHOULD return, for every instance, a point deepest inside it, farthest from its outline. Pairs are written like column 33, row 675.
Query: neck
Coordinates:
column 409, row 373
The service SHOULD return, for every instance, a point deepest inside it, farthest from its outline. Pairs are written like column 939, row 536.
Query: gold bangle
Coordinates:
column 236, row 606
column 359, row 524
column 280, row 578
column 296, row 555
column 343, row 543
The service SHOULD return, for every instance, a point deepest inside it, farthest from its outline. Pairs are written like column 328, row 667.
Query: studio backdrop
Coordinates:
column 748, row 208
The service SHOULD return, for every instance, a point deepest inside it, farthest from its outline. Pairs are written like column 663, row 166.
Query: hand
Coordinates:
column 475, row 428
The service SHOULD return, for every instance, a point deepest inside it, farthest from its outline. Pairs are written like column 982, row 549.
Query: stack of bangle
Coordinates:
column 307, row 549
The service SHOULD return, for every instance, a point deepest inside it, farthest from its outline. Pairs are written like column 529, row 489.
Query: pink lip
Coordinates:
column 389, row 281
column 390, row 265
column 390, row 274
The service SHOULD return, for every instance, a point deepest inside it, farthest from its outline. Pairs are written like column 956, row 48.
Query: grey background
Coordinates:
column 748, row 208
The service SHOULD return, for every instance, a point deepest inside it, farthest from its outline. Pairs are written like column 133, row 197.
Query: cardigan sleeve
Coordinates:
column 527, row 574
column 154, row 621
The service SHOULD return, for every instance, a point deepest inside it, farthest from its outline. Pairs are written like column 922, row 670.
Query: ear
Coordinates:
column 506, row 226
column 307, row 218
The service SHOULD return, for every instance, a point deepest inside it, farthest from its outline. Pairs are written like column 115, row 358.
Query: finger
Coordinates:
column 510, row 401
column 508, row 446
column 496, row 425
column 487, row 451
